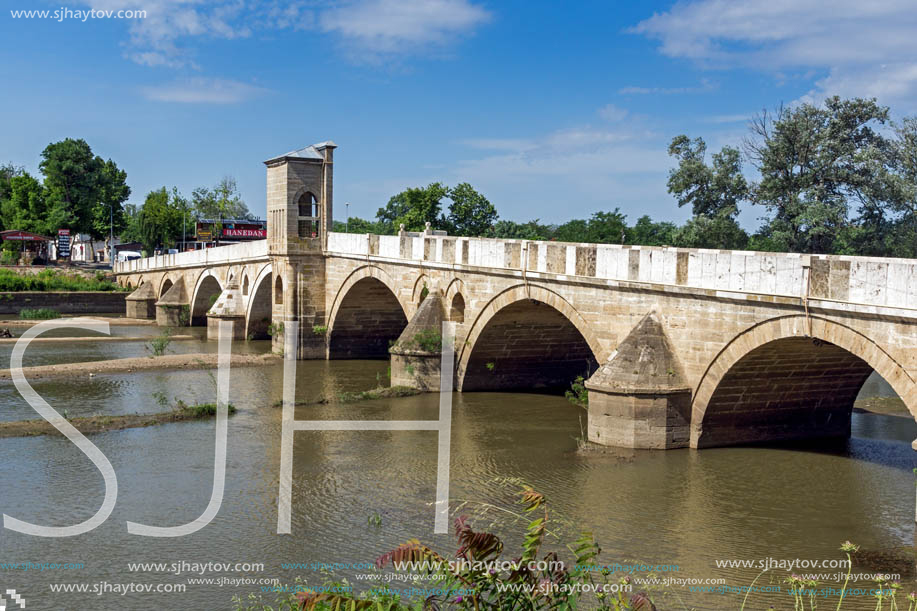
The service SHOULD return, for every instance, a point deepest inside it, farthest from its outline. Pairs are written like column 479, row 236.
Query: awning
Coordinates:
column 23, row 236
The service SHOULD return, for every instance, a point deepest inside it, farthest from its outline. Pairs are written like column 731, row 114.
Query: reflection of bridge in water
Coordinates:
column 679, row 346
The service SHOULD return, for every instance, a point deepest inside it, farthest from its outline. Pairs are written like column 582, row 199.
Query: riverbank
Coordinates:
column 16, row 322
column 383, row 392
column 100, row 424
column 65, row 302
column 141, row 363
column 100, row 339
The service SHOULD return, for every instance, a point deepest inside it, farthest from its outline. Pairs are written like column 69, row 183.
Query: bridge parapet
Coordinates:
column 233, row 253
column 868, row 281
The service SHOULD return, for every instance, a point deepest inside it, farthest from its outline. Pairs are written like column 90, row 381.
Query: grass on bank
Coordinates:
column 389, row 392
column 180, row 412
column 38, row 314
column 54, row 280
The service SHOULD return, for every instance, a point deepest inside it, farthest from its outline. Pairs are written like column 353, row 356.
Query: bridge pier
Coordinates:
column 639, row 399
column 416, row 357
column 141, row 303
column 229, row 307
column 172, row 309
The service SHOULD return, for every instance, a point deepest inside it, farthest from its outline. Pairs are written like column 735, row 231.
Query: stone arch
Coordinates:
column 417, row 294
column 457, row 309
column 258, row 309
column 366, row 315
column 547, row 322
column 455, row 300
column 165, row 285
column 820, row 364
column 207, row 287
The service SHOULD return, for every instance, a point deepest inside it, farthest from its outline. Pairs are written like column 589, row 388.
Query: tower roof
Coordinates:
column 310, row 152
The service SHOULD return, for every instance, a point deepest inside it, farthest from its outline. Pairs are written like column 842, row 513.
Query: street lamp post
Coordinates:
column 111, row 236
column 347, row 223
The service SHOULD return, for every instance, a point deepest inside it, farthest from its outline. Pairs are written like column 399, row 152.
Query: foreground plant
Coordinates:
column 478, row 576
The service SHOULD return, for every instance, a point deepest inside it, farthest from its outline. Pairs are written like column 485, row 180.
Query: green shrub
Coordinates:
column 38, row 313
column 54, row 280
column 160, row 343
column 201, row 410
column 578, row 395
column 429, row 340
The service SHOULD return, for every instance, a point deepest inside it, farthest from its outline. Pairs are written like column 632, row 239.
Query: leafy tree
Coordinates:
column 470, row 213
column 25, row 207
column 720, row 231
column 413, row 207
column 572, row 231
column 357, row 225
column 814, row 163
column 712, row 191
column 159, row 221
column 606, row 228
column 223, row 201
column 7, row 172
column 511, row 230
column 81, row 187
column 648, row 233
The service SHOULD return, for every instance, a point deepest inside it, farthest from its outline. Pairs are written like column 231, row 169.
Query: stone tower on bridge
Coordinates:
column 300, row 199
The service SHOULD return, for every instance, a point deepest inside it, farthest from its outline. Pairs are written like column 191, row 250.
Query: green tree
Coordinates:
column 470, row 213
column 606, row 228
column 646, row 232
column 25, row 207
column 816, row 163
column 159, row 221
column 711, row 232
column 222, row 201
column 81, row 187
column 711, row 191
column 357, row 225
column 511, row 230
column 7, row 172
column 413, row 207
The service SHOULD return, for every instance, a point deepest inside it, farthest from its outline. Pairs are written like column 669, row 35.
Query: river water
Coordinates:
column 684, row 507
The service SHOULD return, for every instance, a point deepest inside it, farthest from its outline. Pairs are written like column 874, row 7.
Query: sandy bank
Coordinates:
column 101, row 338
column 16, row 322
column 99, row 424
column 141, row 363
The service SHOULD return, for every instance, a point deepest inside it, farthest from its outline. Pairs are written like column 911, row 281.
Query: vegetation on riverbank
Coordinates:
column 180, row 412
column 38, row 314
column 54, row 280
column 387, row 392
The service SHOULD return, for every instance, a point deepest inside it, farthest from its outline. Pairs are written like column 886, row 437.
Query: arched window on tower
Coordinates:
column 278, row 291
column 308, row 215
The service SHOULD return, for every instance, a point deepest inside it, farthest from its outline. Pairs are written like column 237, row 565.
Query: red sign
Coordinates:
column 245, row 233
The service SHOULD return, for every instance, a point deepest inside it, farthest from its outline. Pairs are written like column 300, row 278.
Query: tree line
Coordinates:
column 835, row 178
column 84, row 193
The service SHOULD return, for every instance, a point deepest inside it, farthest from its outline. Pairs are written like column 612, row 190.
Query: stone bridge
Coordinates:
column 677, row 347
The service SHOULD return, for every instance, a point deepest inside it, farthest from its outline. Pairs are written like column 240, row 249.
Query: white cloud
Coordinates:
column 202, row 91
column 395, row 27
column 737, row 118
column 865, row 48
column 572, row 172
column 612, row 113
column 376, row 28
column 705, row 86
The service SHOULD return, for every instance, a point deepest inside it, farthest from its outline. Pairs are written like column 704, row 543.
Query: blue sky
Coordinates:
column 552, row 110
